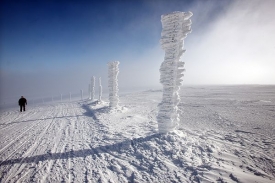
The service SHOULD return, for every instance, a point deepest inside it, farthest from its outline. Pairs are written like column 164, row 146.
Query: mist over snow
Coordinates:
column 232, row 42
column 237, row 48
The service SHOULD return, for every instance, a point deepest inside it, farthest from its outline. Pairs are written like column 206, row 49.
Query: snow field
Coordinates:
column 225, row 135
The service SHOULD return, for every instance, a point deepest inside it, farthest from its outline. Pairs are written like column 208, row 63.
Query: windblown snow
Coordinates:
column 226, row 134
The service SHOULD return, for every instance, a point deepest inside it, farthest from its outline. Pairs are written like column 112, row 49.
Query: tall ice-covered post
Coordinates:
column 99, row 89
column 90, row 91
column 113, row 83
column 93, row 88
column 175, row 27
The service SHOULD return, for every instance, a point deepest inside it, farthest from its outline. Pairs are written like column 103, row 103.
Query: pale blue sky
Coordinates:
column 50, row 47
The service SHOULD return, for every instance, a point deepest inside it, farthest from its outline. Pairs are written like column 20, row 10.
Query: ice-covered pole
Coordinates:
column 175, row 27
column 113, row 83
column 90, row 91
column 93, row 88
column 100, row 89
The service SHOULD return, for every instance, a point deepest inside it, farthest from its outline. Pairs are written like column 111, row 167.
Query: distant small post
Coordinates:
column 99, row 89
column 93, row 88
column 90, row 91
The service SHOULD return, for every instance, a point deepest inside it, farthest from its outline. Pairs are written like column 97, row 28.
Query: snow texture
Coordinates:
column 176, row 26
column 99, row 89
column 226, row 134
column 113, row 84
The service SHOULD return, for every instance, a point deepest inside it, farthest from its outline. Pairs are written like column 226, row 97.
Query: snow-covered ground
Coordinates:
column 226, row 135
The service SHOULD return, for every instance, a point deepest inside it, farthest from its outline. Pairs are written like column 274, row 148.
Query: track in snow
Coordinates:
column 40, row 144
column 223, row 137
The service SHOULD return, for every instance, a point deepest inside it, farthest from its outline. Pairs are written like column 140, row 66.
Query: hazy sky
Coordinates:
column 52, row 47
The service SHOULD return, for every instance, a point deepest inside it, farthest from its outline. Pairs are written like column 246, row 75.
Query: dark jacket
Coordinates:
column 22, row 101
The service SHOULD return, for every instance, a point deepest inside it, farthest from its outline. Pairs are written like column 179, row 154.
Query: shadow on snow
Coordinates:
column 83, row 153
column 89, row 113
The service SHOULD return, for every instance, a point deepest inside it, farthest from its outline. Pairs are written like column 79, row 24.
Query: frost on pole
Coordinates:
column 113, row 83
column 175, row 27
column 92, row 94
column 100, row 89
column 90, row 91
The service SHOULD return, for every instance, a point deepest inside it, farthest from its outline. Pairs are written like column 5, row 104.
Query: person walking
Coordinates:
column 22, row 102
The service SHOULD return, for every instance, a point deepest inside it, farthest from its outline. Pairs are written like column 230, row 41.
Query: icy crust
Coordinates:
column 113, row 83
column 176, row 26
column 185, row 15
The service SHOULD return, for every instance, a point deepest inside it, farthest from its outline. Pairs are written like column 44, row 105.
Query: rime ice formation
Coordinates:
column 113, row 83
column 175, row 26
column 100, row 89
column 92, row 92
